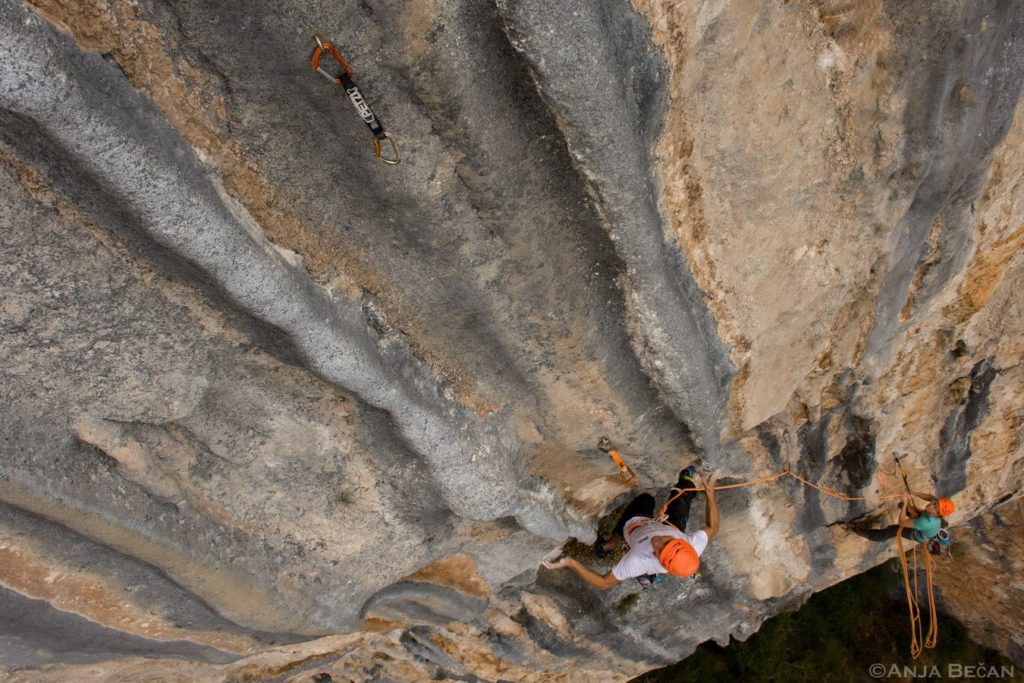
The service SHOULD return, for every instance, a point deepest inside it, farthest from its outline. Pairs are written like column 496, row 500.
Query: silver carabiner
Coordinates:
column 394, row 148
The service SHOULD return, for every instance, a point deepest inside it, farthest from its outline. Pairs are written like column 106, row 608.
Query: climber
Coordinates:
column 654, row 547
column 924, row 526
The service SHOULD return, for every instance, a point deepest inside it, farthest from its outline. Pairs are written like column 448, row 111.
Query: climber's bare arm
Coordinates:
column 599, row 581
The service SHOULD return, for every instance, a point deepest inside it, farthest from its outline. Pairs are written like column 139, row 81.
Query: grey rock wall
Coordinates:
column 295, row 410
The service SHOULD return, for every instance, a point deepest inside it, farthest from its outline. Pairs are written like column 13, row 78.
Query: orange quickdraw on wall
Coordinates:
column 344, row 79
column 626, row 472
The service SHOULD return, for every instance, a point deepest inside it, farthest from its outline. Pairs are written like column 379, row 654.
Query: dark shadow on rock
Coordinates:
column 949, row 469
column 969, row 69
column 426, row 603
column 33, row 634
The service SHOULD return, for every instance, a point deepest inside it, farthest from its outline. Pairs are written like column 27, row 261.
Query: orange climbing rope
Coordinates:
column 919, row 640
column 786, row 472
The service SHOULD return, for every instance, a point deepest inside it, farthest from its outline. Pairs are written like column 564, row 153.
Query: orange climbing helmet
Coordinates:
column 679, row 558
column 946, row 507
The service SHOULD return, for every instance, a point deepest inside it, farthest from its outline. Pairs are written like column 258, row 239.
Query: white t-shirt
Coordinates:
column 641, row 559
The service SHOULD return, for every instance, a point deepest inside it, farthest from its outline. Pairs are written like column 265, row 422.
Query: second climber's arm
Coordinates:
column 599, row 581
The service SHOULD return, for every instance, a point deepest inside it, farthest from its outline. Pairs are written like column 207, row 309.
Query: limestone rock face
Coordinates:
column 273, row 408
column 978, row 585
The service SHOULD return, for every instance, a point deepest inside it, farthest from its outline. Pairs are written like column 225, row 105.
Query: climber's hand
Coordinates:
column 708, row 481
column 557, row 563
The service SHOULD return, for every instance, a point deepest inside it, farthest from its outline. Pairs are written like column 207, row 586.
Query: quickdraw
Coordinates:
column 344, row 79
column 903, row 472
column 626, row 472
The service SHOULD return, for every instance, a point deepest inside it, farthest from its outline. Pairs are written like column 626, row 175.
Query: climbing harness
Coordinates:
column 941, row 540
column 655, row 580
column 626, row 472
column 650, row 580
column 344, row 79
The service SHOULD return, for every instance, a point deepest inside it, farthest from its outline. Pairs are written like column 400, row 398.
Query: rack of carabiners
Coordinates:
column 344, row 79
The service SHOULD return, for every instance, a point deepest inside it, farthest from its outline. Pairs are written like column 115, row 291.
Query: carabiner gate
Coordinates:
column 320, row 48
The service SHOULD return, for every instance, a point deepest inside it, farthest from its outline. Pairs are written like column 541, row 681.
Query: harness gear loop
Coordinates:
column 362, row 107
